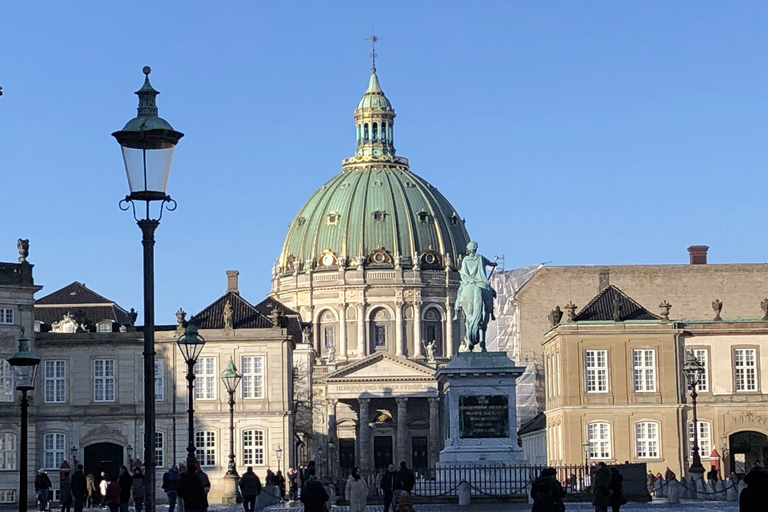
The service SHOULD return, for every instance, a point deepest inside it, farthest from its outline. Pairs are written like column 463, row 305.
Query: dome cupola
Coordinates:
column 374, row 122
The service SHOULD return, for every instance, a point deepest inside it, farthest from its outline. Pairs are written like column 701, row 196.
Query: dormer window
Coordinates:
column 378, row 216
column 423, row 216
column 104, row 326
column 333, row 218
column 430, row 258
column 454, row 219
column 380, row 257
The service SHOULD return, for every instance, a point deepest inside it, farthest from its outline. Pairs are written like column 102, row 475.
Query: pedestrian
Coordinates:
column 42, row 488
column 649, row 479
column 170, row 486
column 206, row 483
column 293, row 485
column 356, row 492
column 755, row 495
column 91, row 491
column 250, row 487
column 617, row 498
column 547, row 493
column 313, row 494
column 65, row 491
column 602, row 488
column 112, row 496
column 712, row 474
column 669, row 475
column 407, row 480
column 190, row 489
column 79, row 488
column 137, row 489
column 305, row 473
column 280, row 481
column 125, row 481
column 270, row 478
column 389, row 484
column 103, row 484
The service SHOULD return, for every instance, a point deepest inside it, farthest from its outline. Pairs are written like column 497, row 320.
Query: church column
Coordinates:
column 364, row 433
column 417, row 329
column 449, row 349
column 402, row 429
column 434, row 431
column 399, row 328
column 332, row 434
column 362, row 343
column 343, row 331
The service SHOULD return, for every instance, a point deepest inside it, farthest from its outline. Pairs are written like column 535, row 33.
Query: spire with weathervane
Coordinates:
column 374, row 117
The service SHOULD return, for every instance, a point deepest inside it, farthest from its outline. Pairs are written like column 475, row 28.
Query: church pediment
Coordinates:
column 381, row 367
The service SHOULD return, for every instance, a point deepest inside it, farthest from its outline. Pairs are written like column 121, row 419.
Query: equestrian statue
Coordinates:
column 475, row 297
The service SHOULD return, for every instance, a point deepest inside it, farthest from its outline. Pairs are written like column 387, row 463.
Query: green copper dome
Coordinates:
column 376, row 212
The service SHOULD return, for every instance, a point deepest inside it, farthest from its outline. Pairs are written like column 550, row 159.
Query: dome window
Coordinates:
column 430, row 259
column 380, row 257
column 333, row 218
column 454, row 219
column 423, row 216
column 378, row 216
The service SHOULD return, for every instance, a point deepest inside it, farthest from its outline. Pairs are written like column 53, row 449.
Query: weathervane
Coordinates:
column 372, row 38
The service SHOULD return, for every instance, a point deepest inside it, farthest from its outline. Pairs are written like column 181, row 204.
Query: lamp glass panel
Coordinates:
column 24, row 376
column 153, row 177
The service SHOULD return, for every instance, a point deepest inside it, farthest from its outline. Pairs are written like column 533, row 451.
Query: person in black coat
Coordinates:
column 755, row 496
column 407, row 480
column 389, row 484
column 191, row 491
column 547, row 493
column 124, row 481
column 250, row 487
column 79, row 488
column 617, row 498
column 313, row 494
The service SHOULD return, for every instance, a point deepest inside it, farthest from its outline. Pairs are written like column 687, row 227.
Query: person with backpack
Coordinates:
column 547, row 493
column 250, row 487
column 42, row 488
column 313, row 494
column 170, row 486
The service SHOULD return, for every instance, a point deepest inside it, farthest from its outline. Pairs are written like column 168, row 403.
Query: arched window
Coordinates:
column 54, row 447
column 375, row 132
column 365, row 132
column 379, row 319
column 7, row 450
column 647, row 440
column 599, row 439
column 433, row 329
column 253, row 448
column 383, row 132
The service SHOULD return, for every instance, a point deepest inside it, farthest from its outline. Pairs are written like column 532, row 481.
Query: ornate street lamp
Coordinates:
column 147, row 142
column 191, row 344
column 231, row 378
column 279, row 456
column 693, row 370
column 24, row 364
column 586, row 446
column 129, row 452
column 73, row 452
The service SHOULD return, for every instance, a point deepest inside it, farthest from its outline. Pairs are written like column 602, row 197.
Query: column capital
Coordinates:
column 433, row 401
column 342, row 305
column 399, row 303
column 364, row 402
column 417, row 303
column 331, row 402
column 401, row 401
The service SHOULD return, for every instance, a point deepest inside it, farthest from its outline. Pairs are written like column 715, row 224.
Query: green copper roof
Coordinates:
column 374, row 96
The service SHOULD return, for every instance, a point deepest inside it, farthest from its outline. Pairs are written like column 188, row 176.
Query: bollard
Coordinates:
column 741, row 486
column 528, row 493
column 464, row 493
column 674, row 490
column 731, row 493
column 700, row 489
column 720, row 490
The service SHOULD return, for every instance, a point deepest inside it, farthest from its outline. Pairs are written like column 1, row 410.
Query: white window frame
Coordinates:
column 104, row 374
column 745, row 370
column 205, row 447
column 104, row 326
column 252, row 383
column 647, row 440
column 253, row 450
column 205, row 378
column 596, row 370
column 160, row 449
column 7, row 495
column 54, row 450
column 159, row 382
column 644, row 370
column 7, row 451
column 55, row 381
column 7, row 316
column 599, row 439
column 7, row 382
column 705, row 439
column 702, row 355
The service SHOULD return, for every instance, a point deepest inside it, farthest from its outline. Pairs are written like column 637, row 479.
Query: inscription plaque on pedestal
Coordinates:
column 483, row 416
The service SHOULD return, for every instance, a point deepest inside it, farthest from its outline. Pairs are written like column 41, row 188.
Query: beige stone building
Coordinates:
column 614, row 381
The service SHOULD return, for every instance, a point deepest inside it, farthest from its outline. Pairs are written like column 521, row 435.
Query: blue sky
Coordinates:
column 565, row 132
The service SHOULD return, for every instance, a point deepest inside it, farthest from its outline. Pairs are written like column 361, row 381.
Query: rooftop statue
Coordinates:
column 475, row 297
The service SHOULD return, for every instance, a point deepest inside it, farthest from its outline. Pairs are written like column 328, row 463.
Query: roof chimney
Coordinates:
column 232, row 281
column 604, row 279
column 698, row 254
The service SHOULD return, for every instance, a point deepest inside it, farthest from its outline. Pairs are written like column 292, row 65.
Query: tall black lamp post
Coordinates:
column 231, row 378
column 693, row 370
column 24, row 364
column 147, row 142
column 586, row 446
column 191, row 344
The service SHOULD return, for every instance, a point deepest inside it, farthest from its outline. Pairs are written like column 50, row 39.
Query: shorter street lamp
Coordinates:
column 24, row 364
column 191, row 344
column 231, row 378
column 129, row 451
column 278, row 456
column 73, row 452
column 586, row 446
column 693, row 370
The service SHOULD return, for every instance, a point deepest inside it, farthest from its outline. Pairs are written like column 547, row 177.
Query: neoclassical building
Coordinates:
column 370, row 261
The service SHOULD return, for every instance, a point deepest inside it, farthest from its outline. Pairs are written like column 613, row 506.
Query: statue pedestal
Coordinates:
column 229, row 497
column 479, row 402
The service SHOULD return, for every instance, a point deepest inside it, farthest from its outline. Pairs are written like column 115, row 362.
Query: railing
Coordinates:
column 380, row 274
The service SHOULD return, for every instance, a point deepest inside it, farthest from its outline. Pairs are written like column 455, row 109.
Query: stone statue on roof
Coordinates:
column 227, row 314
column 475, row 296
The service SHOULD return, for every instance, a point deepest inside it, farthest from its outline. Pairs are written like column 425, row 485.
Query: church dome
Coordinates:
column 375, row 212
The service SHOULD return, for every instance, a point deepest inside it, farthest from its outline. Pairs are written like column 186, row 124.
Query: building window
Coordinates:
column 205, row 443
column 379, row 335
column 328, row 336
column 6, row 316
column 703, row 357
column 599, row 439
column 6, row 380
column 597, row 371
column 7, row 495
column 105, row 326
column 55, row 382
column 745, row 369
column 159, row 382
column 647, row 439
column 104, row 380
column 205, row 378
column 253, row 377
column 253, row 448
column 53, row 450
column 644, row 361
column 7, row 451
column 160, row 449
column 705, row 439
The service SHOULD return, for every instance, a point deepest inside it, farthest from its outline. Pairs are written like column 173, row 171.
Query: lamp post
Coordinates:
column 147, row 142
column 321, row 462
column 693, row 370
column 278, row 456
column 129, row 451
column 231, row 378
column 191, row 344
column 586, row 446
column 73, row 452
column 24, row 364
